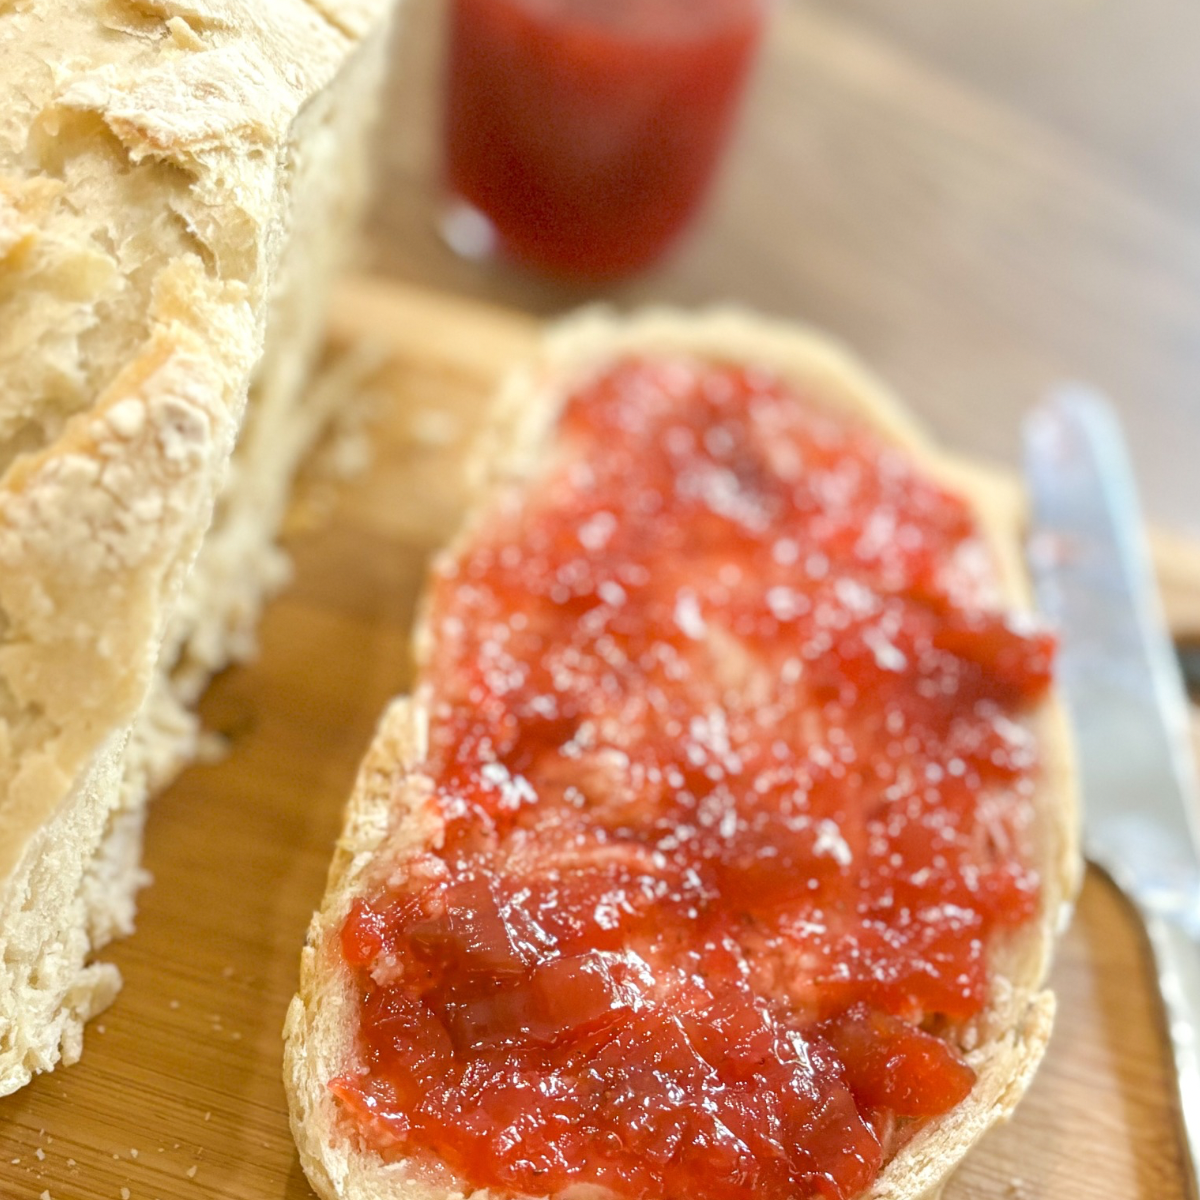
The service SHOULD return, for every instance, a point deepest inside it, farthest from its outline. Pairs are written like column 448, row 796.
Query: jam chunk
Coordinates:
column 727, row 741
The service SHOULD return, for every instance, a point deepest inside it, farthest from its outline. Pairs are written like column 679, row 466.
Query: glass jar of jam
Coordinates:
column 581, row 135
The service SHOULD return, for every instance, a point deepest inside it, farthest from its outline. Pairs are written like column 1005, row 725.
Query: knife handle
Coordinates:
column 1177, row 961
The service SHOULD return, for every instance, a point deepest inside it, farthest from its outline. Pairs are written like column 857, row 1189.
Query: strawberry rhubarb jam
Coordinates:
column 726, row 738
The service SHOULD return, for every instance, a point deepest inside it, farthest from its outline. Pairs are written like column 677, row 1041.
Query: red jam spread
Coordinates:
column 726, row 735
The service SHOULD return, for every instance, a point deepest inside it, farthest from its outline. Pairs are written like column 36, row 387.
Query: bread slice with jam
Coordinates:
column 722, row 844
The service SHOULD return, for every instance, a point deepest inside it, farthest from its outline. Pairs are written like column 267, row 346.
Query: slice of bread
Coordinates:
column 178, row 183
column 387, row 813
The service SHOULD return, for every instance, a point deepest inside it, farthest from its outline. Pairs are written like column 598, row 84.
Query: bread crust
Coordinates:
column 385, row 814
column 177, row 182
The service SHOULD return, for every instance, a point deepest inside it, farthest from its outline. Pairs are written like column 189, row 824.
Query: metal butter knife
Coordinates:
column 1091, row 570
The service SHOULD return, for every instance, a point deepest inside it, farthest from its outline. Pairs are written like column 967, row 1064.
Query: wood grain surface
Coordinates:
column 178, row 1095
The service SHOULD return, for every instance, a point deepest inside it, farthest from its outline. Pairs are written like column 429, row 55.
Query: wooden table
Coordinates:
column 984, row 198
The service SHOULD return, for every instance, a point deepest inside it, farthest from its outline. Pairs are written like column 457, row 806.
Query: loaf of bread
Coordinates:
column 178, row 183
column 390, row 816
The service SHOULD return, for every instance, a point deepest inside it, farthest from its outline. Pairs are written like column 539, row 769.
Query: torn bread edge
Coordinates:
column 137, row 544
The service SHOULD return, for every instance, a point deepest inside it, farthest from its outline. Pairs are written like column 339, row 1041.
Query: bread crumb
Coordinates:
column 100, row 1029
column 124, row 1194
column 432, row 427
column 40, row 1154
column 191, row 1171
column 173, row 1004
column 45, row 1195
column 70, row 1162
column 16, row 1162
column 208, row 1116
column 127, row 418
column 183, row 35
column 133, row 1154
column 211, row 748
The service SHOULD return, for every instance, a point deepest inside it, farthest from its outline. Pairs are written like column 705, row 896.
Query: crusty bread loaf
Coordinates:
column 178, row 179
column 387, row 813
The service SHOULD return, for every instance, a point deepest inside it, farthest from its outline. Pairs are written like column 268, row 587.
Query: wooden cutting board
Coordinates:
column 178, row 1095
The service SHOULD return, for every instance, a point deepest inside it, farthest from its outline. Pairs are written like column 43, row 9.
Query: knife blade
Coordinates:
column 1090, row 564
column 1091, row 569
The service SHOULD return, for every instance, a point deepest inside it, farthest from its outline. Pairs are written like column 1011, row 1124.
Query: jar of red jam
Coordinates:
column 581, row 135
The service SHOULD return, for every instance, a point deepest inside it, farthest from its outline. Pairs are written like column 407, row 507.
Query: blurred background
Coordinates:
column 983, row 198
